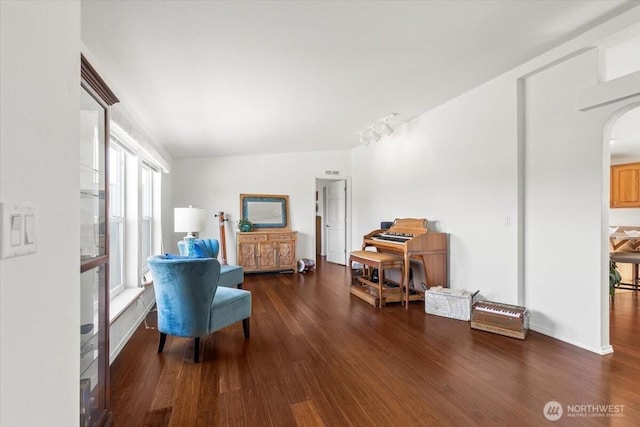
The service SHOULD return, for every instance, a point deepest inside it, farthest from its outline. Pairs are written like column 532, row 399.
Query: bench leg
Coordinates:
column 380, row 282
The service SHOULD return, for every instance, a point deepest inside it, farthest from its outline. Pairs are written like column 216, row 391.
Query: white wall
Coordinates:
column 125, row 325
column 39, row 149
column 563, row 196
column 463, row 166
column 215, row 184
column 455, row 166
column 625, row 217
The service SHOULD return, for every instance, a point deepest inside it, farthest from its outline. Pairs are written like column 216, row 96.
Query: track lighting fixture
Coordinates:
column 370, row 133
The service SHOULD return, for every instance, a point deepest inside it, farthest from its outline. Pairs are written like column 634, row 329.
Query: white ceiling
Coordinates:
column 211, row 78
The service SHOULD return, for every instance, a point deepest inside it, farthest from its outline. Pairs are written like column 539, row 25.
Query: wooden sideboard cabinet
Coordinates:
column 260, row 251
column 625, row 185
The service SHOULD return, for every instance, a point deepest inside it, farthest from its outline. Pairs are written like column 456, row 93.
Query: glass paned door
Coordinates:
column 95, row 98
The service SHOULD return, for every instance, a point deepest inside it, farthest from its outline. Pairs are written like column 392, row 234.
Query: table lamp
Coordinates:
column 190, row 220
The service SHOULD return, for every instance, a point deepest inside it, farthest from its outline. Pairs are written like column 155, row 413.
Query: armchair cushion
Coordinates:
column 231, row 276
column 229, row 305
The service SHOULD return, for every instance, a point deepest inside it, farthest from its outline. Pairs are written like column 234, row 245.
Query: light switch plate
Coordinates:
column 19, row 229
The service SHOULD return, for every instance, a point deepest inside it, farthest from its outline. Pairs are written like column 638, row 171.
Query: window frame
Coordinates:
column 117, row 165
column 141, row 208
column 146, row 211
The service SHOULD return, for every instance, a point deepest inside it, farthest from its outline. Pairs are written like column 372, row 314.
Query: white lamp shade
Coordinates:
column 189, row 220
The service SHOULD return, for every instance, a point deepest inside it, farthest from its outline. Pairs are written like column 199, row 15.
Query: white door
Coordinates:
column 336, row 205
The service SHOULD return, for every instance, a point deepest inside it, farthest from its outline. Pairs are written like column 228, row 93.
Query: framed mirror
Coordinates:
column 265, row 211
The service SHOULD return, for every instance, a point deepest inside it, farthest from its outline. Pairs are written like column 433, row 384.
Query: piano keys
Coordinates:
column 391, row 238
column 410, row 238
column 504, row 319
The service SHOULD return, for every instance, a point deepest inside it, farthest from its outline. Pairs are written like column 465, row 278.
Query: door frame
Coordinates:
column 614, row 99
column 317, row 185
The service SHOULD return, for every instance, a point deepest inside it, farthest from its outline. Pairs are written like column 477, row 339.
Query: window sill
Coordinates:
column 122, row 301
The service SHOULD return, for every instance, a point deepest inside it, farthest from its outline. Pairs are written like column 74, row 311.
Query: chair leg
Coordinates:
column 196, row 351
column 163, row 338
column 245, row 327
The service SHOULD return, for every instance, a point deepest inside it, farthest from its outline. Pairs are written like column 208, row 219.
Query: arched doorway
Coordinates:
column 607, row 109
column 621, row 136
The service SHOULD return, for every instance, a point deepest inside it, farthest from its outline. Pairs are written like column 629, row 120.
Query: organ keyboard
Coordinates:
column 392, row 237
column 410, row 238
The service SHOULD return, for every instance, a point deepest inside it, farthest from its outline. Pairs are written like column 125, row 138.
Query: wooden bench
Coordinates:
column 378, row 293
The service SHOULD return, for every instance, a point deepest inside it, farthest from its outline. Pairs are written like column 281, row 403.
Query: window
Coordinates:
column 146, row 215
column 116, row 217
column 134, row 213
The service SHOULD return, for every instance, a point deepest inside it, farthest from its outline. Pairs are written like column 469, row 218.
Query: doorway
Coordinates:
column 333, row 218
column 622, row 136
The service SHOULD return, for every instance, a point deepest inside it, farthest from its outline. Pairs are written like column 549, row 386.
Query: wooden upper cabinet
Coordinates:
column 625, row 185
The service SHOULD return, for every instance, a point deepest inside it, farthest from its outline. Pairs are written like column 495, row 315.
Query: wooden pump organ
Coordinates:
column 410, row 239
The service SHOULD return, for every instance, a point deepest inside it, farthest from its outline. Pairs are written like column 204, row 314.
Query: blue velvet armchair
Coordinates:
column 190, row 302
column 230, row 275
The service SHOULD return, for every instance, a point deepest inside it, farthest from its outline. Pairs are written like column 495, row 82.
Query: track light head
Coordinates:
column 364, row 141
column 386, row 129
column 374, row 136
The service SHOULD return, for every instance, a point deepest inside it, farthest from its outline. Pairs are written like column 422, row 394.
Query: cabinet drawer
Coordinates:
column 283, row 236
column 252, row 237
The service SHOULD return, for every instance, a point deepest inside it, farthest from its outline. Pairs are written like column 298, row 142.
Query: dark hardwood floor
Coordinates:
column 319, row 357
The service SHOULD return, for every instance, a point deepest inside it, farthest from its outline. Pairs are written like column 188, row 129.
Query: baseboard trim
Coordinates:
column 603, row 350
